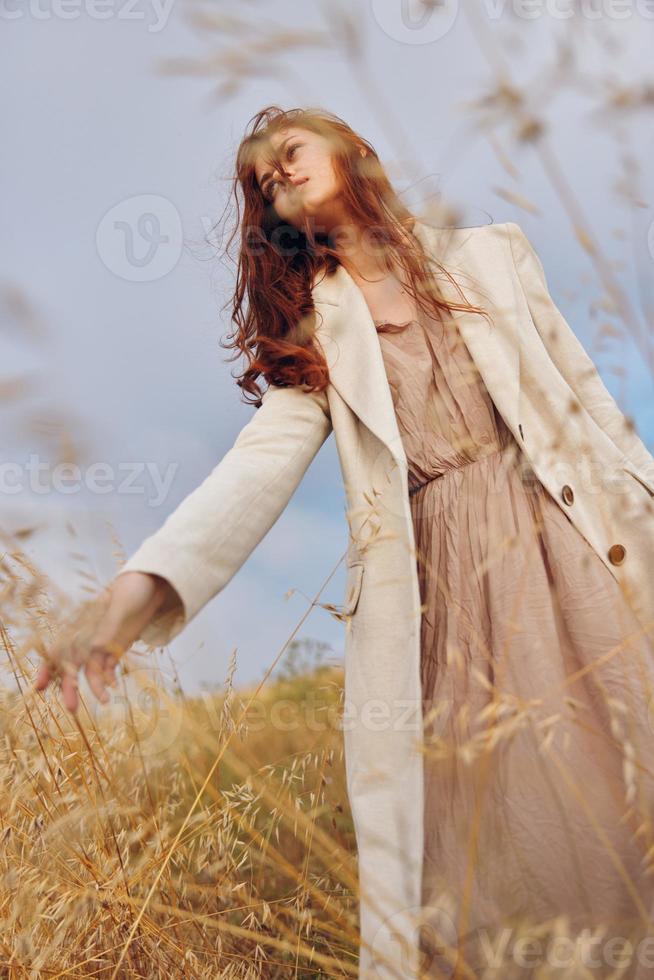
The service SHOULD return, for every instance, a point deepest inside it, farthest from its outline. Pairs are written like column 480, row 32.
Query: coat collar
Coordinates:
column 350, row 343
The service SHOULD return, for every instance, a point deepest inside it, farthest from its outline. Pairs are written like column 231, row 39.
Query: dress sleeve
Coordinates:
column 571, row 359
column 205, row 541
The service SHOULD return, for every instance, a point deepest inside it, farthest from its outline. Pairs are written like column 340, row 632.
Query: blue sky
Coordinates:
column 130, row 364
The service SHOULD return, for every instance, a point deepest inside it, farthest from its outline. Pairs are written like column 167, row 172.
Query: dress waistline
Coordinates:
column 453, row 469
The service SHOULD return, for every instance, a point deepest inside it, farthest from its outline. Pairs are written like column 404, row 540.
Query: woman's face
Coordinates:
column 308, row 192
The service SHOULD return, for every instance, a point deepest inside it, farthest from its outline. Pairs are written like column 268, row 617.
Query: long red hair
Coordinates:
column 275, row 330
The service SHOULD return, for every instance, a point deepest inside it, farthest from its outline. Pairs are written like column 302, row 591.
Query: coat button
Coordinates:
column 617, row 554
column 568, row 495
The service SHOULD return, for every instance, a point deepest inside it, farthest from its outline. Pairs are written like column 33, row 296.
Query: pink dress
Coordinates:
column 537, row 684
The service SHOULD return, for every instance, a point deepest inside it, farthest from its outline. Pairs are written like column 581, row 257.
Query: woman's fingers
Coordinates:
column 99, row 666
column 110, row 664
column 43, row 677
column 95, row 670
column 69, row 685
column 96, row 634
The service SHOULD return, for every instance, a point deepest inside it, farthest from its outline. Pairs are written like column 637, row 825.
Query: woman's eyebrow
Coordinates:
column 268, row 173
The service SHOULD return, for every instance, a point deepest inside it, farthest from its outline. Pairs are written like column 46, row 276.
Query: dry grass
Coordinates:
column 111, row 822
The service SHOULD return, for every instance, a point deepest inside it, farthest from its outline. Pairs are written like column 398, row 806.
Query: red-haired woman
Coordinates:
column 499, row 562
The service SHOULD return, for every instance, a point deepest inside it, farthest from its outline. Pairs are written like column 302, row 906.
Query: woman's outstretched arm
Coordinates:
column 208, row 537
column 570, row 357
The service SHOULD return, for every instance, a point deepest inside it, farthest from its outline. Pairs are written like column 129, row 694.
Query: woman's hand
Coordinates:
column 99, row 632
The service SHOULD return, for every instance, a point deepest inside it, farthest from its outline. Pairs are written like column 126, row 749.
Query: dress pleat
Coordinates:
column 537, row 698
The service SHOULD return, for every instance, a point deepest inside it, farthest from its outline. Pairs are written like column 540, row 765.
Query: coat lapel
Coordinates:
column 348, row 337
column 347, row 334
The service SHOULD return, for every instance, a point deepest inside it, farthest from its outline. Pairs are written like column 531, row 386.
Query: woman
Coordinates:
column 501, row 534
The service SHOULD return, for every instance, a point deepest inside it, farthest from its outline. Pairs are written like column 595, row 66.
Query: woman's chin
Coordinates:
column 308, row 215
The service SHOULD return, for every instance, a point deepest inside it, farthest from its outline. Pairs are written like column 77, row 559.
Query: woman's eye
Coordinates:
column 272, row 183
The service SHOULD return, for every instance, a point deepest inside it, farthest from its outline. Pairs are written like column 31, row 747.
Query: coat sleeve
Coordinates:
column 208, row 537
column 571, row 359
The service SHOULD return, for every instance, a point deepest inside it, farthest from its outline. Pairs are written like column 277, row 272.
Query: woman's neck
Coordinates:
column 360, row 257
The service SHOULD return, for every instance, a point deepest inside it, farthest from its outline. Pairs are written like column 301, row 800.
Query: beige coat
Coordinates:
column 575, row 440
